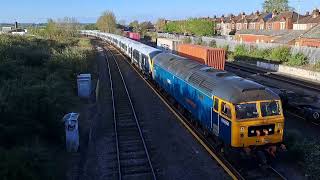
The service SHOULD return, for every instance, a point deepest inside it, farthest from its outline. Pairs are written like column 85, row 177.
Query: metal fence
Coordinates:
column 313, row 54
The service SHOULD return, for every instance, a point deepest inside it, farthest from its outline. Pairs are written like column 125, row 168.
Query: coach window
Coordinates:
column 136, row 55
column 144, row 59
column 226, row 110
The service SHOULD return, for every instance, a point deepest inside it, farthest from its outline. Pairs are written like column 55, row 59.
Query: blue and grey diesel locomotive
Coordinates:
column 240, row 112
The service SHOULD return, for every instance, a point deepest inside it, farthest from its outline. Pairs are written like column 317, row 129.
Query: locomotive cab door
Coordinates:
column 215, row 116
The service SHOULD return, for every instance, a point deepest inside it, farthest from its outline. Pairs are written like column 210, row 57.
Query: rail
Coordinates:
column 132, row 153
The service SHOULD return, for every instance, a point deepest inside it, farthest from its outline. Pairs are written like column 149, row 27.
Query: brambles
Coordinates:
column 37, row 87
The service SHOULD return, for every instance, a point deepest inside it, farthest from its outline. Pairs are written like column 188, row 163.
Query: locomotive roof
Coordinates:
column 215, row 82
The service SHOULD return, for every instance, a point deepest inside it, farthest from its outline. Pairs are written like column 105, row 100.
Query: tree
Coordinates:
column 107, row 22
column 90, row 27
column 134, row 25
column 144, row 27
column 278, row 5
column 160, row 25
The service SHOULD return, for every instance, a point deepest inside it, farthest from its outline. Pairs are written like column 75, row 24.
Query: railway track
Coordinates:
column 263, row 73
column 206, row 142
column 133, row 158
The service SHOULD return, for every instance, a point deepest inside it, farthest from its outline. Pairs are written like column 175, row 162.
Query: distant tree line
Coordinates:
column 192, row 26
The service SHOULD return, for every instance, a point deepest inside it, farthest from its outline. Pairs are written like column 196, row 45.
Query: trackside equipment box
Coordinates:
column 84, row 85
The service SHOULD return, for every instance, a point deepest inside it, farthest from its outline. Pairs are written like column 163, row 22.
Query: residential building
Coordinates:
column 217, row 22
column 259, row 21
column 308, row 21
column 282, row 21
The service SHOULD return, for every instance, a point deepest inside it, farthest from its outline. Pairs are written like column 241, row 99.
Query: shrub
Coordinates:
column 213, row 44
column 280, row 54
column 187, row 40
column 37, row 87
column 198, row 41
column 298, row 59
column 260, row 53
column 317, row 66
column 240, row 50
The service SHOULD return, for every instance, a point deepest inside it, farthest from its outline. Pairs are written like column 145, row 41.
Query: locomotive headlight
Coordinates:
column 242, row 129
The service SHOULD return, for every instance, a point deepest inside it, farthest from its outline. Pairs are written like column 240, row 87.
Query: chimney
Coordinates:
column 307, row 13
column 243, row 15
column 315, row 13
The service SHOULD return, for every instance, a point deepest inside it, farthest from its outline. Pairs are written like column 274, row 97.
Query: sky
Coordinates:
column 36, row 11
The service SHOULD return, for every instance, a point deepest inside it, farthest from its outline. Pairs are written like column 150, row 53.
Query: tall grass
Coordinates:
column 37, row 87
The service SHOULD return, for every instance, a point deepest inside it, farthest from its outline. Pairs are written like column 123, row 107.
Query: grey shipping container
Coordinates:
column 168, row 45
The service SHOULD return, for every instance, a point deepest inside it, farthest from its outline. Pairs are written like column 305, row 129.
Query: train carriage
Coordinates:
column 240, row 112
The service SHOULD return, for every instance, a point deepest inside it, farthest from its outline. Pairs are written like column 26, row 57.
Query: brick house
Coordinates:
column 217, row 22
column 282, row 21
column 259, row 21
column 228, row 24
column 308, row 21
column 311, row 38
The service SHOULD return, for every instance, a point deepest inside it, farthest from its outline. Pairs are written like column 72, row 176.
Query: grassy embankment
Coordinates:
column 37, row 87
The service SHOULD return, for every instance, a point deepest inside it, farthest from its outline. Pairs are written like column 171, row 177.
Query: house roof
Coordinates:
column 308, row 20
column 289, row 37
column 264, row 16
column 285, row 15
column 264, row 32
column 313, row 33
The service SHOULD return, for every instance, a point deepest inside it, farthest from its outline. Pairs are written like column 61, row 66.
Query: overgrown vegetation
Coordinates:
column 193, row 26
column 37, row 87
column 278, row 55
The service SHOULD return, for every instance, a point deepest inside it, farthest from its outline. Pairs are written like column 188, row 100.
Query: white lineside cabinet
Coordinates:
column 72, row 131
column 84, row 85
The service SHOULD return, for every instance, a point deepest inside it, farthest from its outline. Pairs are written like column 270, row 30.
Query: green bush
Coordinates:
column 241, row 50
column 213, row 44
column 280, row 54
column 37, row 87
column 199, row 41
column 260, row 53
column 298, row 59
column 187, row 40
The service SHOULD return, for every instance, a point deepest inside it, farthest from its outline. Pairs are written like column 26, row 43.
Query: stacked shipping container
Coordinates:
column 132, row 35
column 214, row 57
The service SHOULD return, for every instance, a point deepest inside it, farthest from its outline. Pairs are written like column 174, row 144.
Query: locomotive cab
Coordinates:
column 252, row 124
